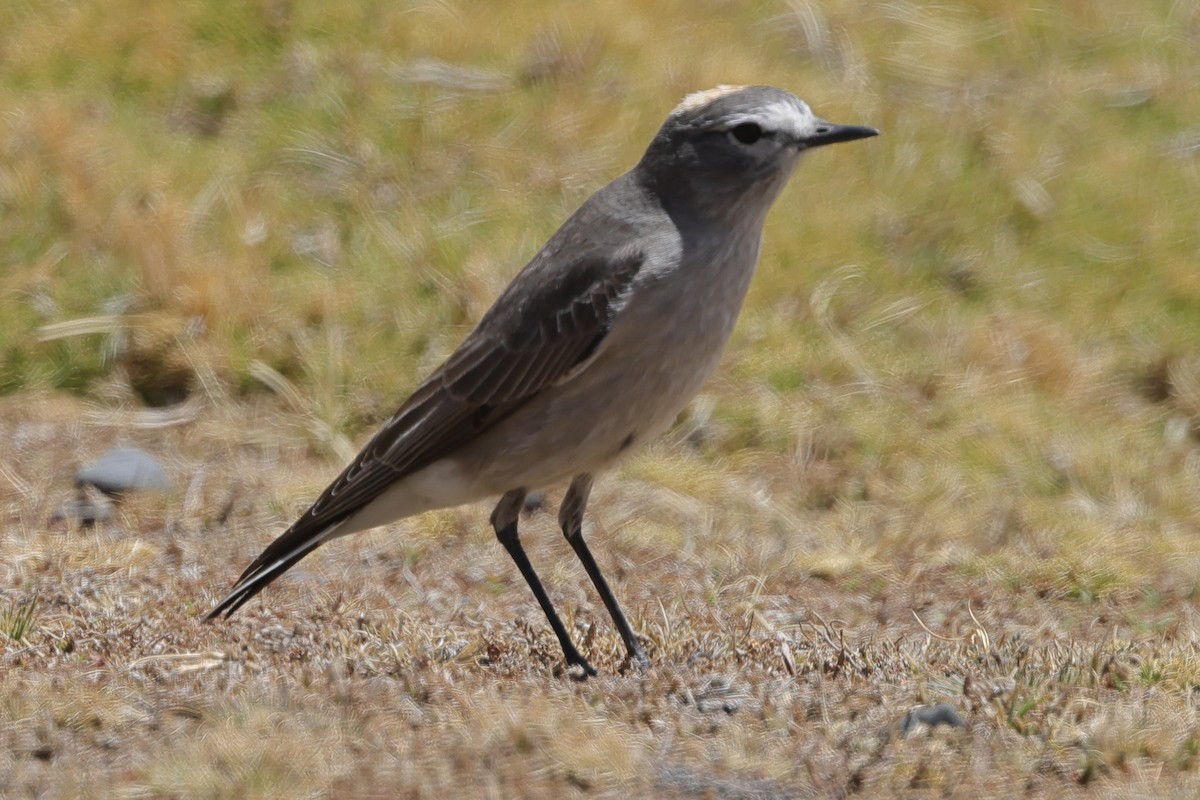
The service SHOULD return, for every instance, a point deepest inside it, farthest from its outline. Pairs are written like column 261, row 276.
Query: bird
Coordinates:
column 595, row 347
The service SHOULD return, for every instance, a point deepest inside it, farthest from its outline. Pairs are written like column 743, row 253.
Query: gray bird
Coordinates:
column 595, row 346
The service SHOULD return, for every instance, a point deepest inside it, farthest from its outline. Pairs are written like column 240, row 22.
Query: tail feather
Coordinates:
column 280, row 556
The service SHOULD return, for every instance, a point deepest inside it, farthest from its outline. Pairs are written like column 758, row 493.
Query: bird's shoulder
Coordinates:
column 587, row 266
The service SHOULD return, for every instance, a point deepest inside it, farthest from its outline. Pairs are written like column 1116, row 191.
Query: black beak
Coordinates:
column 832, row 133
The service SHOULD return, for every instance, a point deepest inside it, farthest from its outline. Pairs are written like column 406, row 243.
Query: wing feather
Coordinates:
column 549, row 321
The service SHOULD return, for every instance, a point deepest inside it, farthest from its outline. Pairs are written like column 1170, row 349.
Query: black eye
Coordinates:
column 747, row 133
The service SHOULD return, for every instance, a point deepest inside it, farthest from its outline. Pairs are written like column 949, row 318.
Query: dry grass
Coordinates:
column 414, row 661
column 952, row 455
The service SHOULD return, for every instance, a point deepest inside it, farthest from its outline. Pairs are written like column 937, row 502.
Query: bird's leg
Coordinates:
column 570, row 517
column 504, row 521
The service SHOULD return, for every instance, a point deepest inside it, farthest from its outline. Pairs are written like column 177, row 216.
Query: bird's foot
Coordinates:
column 579, row 669
column 635, row 661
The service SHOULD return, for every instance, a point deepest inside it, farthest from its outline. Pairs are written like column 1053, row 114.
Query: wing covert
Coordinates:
column 515, row 352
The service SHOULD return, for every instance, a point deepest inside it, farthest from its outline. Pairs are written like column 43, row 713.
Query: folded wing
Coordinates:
column 551, row 319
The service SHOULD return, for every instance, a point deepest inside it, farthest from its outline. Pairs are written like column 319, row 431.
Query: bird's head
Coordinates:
column 732, row 148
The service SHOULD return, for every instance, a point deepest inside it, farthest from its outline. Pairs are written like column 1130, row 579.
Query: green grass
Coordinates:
column 17, row 621
column 967, row 371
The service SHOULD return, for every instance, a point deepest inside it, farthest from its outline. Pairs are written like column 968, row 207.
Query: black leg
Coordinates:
column 504, row 520
column 570, row 516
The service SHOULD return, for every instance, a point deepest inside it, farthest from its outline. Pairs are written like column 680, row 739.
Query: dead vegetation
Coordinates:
column 413, row 662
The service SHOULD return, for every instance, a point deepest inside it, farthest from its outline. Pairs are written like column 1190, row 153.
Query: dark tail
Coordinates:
column 280, row 556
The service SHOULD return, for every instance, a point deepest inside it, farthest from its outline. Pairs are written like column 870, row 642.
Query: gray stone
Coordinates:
column 124, row 469
column 941, row 714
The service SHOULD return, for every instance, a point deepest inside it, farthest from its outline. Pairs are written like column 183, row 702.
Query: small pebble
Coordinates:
column 941, row 714
column 124, row 469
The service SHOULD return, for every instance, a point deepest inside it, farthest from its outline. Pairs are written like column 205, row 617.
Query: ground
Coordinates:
column 951, row 455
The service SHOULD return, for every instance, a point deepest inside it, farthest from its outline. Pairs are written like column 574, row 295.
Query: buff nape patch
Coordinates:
column 697, row 100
